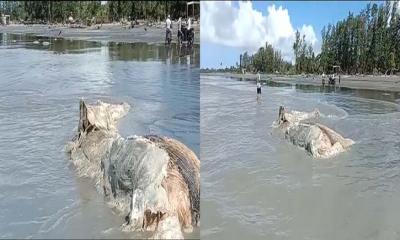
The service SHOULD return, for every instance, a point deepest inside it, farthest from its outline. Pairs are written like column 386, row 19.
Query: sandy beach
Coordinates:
column 107, row 32
column 384, row 83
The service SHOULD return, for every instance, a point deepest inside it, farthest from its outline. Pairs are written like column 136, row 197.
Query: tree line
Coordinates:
column 266, row 59
column 111, row 11
column 365, row 43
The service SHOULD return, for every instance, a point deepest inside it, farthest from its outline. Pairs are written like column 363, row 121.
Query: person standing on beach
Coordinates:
column 168, row 25
column 180, row 28
column 168, row 22
column 258, row 84
column 189, row 23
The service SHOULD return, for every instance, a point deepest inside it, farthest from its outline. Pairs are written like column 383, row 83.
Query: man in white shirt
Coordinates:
column 258, row 83
column 180, row 28
column 190, row 31
column 189, row 24
column 168, row 25
column 180, row 24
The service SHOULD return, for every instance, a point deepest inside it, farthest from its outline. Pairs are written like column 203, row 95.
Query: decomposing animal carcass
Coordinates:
column 319, row 140
column 154, row 180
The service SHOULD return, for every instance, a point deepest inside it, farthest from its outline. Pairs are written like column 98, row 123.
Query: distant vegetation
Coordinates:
column 265, row 60
column 111, row 11
column 367, row 43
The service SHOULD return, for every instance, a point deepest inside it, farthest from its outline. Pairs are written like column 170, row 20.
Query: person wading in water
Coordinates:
column 258, row 83
column 258, row 86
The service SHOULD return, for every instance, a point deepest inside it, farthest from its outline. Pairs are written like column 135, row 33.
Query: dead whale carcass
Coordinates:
column 319, row 140
column 153, row 180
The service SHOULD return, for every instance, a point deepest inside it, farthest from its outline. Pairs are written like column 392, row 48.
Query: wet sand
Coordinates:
column 107, row 32
column 384, row 83
column 257, row 185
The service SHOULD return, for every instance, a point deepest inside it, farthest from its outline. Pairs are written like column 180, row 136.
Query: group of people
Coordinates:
column 182, row 26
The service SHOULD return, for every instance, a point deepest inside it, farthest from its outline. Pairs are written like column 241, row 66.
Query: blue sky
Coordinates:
column 312, row 13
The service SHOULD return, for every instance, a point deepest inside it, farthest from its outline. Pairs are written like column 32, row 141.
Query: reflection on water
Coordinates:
column 257, row 185
column 172, row 54
column 40, row 88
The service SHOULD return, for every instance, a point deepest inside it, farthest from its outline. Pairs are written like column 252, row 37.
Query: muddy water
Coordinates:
column 256, row 185
column 40, row 88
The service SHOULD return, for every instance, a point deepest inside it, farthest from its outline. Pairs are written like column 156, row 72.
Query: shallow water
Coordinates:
column 40, row 88
column 256, row 185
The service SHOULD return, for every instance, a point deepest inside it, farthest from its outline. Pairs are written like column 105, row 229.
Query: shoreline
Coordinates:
column 369, row 82
column 107, row 33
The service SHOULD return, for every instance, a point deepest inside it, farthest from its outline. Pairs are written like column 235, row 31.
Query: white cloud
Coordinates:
column 311, row 38
column 308, row 31
column 246, row 28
